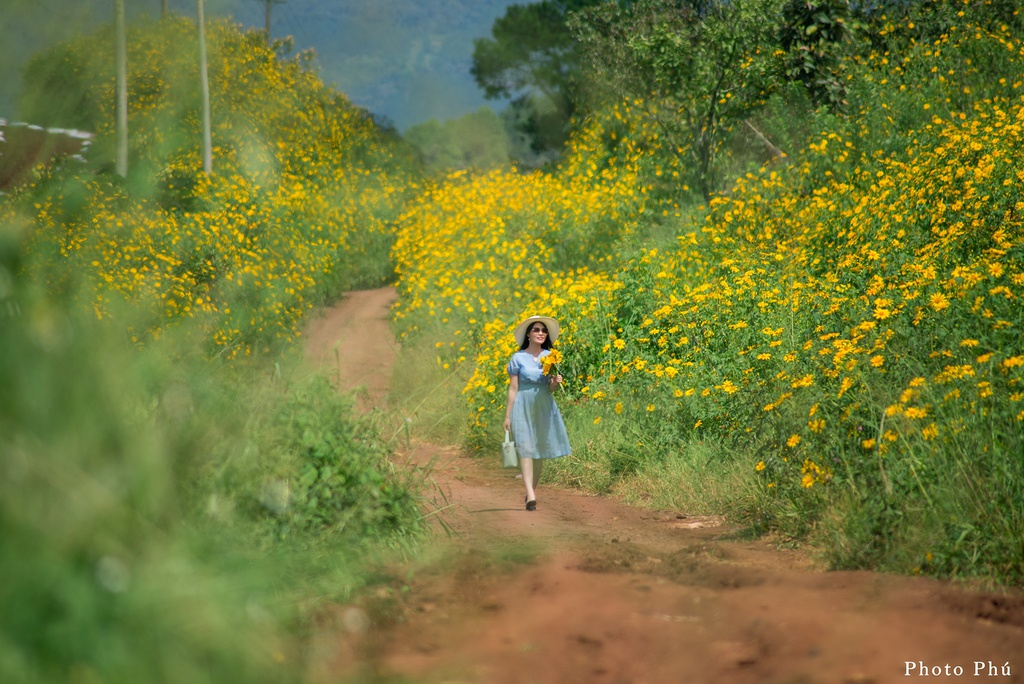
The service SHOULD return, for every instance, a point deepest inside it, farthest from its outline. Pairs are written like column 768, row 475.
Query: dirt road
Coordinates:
column 586, row 589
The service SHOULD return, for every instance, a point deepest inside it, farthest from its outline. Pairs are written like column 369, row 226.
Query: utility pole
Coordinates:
column 270, row 3
column 163, row 8
column 205, row 85
column 121, row 61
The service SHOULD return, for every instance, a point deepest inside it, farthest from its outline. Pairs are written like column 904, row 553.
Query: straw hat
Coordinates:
column 551, row 323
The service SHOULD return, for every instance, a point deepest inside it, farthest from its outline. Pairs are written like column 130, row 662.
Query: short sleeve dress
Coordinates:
column 537, row 426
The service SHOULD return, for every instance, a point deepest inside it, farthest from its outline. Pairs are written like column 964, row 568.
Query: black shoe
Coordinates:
column 531, row 505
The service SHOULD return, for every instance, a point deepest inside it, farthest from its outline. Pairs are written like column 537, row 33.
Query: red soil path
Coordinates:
column 587, row 589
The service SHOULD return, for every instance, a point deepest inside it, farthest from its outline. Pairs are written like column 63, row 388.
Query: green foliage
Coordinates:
column 812, row 35
column 60, row 74
column 537, row 132
column 531, row 59
column 339, row 482
column 474, row 141
column 697, row 74
column 96, row 581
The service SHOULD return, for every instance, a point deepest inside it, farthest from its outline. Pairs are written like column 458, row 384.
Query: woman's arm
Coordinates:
column 513, row 389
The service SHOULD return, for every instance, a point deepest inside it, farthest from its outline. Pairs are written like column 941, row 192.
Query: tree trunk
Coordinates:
column 269, row 3
column 121, row 61
column 205, row 85
column 163, row 8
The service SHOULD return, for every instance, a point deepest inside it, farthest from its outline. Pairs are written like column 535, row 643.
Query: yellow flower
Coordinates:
column 760, row 466
column 793, row 441
column 805, row 381
column 868, row 443
column 728, row 387
column 938, row 301
column 549, row 360
column 877, row 361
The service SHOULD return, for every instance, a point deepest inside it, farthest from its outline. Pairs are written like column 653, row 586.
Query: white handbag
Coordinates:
column 509, row 459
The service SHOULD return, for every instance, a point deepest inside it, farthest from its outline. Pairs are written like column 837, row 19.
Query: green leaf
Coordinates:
column 308, row 476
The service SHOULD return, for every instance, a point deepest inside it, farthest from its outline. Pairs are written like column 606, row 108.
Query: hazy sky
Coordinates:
column 407, row 60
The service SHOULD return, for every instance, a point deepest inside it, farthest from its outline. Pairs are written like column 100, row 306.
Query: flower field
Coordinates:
column 296, row 210
column 846, row 327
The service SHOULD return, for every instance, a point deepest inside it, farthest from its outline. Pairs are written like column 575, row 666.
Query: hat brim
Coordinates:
column 550, row 323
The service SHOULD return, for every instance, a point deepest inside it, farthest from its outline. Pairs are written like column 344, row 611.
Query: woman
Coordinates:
column 531, row 414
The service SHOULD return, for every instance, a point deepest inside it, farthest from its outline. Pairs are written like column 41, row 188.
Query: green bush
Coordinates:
column 176, row 496
column 145, row 537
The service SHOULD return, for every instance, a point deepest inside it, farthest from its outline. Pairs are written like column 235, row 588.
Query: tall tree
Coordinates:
column 698, row 69
column 204, row 81
column 531, row 59
column 121, row 67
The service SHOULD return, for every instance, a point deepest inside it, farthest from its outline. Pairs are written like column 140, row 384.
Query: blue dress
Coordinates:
column 537, row 426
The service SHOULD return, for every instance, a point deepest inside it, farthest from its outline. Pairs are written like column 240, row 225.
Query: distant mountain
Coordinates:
column 407, row 60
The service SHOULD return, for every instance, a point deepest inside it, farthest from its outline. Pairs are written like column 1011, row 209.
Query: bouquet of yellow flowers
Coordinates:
column 550, row 360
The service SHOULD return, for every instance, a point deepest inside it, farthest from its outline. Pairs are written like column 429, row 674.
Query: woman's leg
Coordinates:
column 537, row 467
column 526, row 466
